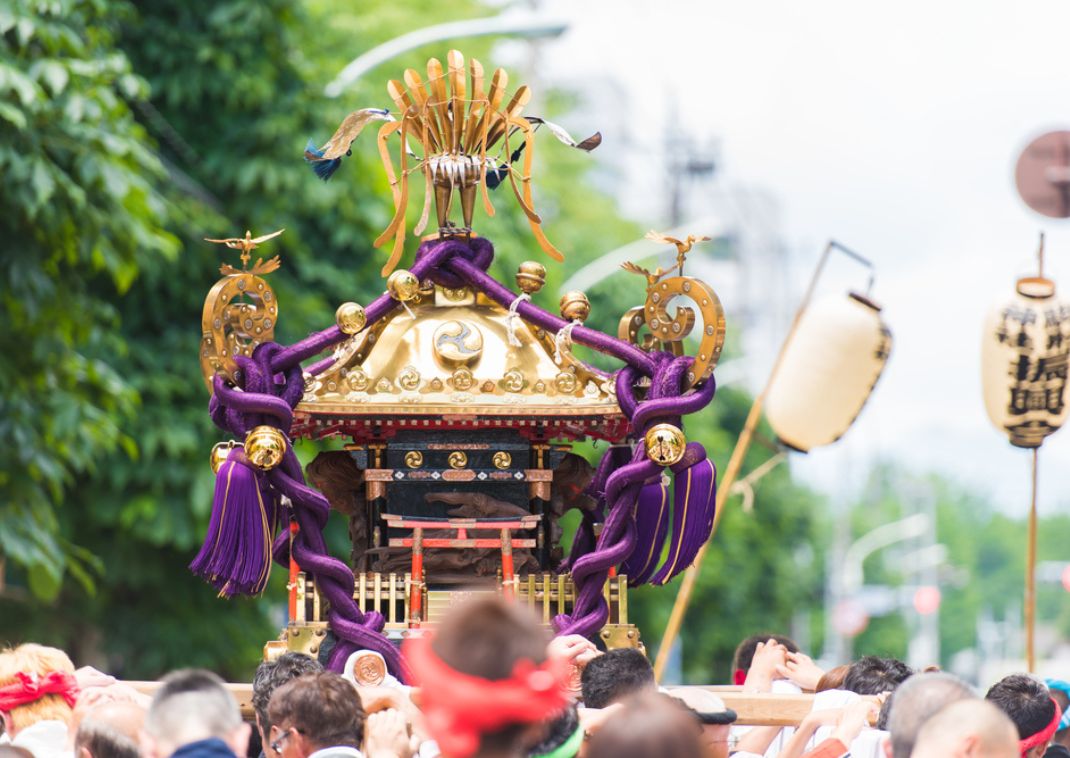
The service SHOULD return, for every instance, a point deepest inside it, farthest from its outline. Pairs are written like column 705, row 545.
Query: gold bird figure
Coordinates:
column 682, row 246
column 651, row 278
column 247, row 244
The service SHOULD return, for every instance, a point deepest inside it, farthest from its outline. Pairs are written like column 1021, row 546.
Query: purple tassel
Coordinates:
column 694, row 488
column 236, row 555
column 651, row 521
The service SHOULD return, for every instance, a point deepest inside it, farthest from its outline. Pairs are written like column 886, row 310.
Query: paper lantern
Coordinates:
column 828, row 371
column 1024, row 359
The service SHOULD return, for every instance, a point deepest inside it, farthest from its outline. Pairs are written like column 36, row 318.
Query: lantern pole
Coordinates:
column 735, row 462
column 1030, row 574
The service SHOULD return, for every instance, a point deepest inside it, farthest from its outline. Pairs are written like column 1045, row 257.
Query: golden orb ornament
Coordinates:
column 457, row 459
column 265, row 447
column 350, row 318
column 502, row 459
column 531, row 276
column 403, row 285
column 220, row 453
column 665, row 444
column 575, row 306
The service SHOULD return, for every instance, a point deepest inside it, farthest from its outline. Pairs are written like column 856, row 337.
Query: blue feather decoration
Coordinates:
column 324, row 168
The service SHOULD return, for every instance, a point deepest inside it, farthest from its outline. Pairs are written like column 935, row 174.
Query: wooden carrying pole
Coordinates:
column 1030, row 575
column 735, row 463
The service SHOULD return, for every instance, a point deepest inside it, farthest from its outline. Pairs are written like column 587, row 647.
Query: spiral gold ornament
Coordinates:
column 665, row 444
column 220, row 453
column 350, row 318
column 265, row 447
column 403, row 285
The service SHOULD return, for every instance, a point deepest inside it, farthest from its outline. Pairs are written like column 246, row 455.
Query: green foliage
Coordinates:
column 79, row 212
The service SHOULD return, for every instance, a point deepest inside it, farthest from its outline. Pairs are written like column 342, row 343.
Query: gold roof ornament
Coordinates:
column 452, row 359
column 464, row 131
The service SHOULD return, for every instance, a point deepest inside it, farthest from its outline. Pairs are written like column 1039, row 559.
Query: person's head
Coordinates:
column 969, row 728
column 1030, row 707
column 110, row 730
column 190, row 706
column 833, row 678
column 486, row 685
column 52, row 669
column 615, row 676
column 710, row 711
column 313, row 712
column 649, row 724
column 269, row 676
column 744, row 654
column 563, row 736
column 914, row 702
column 872, row 675
column 1060, row 693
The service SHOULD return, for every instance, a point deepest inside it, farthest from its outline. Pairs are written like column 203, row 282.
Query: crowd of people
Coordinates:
column 490, row 684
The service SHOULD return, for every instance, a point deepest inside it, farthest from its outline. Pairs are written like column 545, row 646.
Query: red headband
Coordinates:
column 30, row 687
column 460, row 707
column 739, row 676
column 1044, row 734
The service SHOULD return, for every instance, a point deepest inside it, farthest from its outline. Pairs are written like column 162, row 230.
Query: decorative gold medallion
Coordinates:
column 665, row 444
column 462, row 380
column 414, row 459
column 457, row 459
column 566, row 382
column 409, row 379
column 350, row 318
column 513, row 381
column 357, row 380
column 265, row 447
column 457, row 344
column 502, row 459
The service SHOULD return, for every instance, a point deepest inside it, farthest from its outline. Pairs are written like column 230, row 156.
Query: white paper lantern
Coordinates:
column 828, row 371
column 1024, row 359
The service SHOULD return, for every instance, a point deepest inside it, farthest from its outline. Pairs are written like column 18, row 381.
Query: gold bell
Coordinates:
column 265, row 447
column 220, row 452
column 403, row 285
column 665, row 444
column 575, row 306
column 350, row 318
column 530, row 277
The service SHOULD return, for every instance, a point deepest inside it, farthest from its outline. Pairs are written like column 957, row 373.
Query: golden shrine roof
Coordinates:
column 449, row 353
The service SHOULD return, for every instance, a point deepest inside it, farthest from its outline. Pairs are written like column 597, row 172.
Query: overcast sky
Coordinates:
column 894, row 128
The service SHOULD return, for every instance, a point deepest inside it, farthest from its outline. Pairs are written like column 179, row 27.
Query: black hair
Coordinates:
column 558, row 732
column 871, row 675
column 270, row 675
column 1025, row 700
column 744, row 654
column 615, row 676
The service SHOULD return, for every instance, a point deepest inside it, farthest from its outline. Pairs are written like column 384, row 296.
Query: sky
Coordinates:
column 893, row 128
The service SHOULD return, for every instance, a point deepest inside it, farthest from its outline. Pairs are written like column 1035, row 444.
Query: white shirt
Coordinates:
column 337, row 751
column 45, row 739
